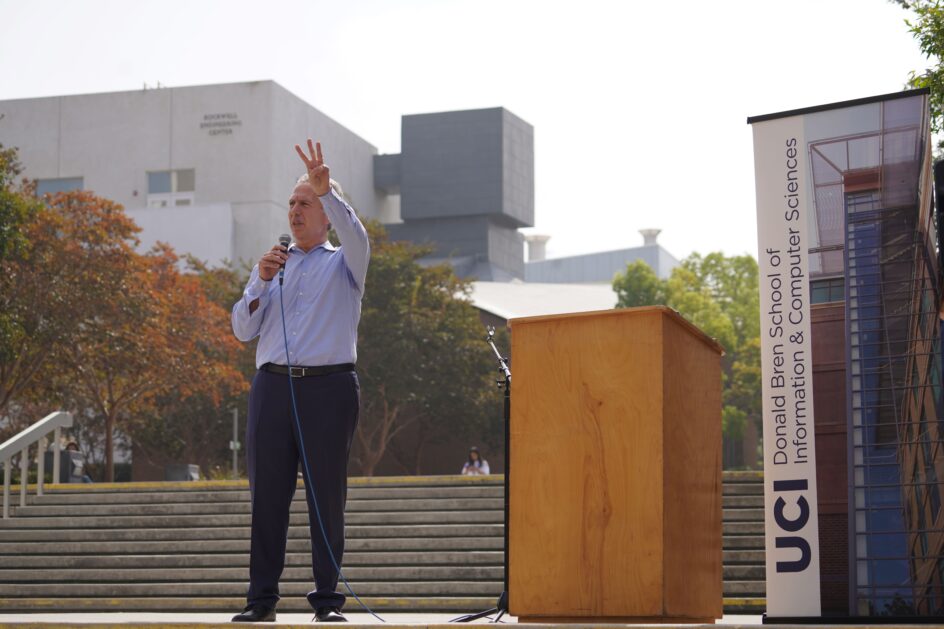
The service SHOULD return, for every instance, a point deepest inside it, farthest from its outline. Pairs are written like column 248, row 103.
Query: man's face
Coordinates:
column 307, row 219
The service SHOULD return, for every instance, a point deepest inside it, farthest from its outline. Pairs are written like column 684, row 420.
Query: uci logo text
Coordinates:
column 793, row 525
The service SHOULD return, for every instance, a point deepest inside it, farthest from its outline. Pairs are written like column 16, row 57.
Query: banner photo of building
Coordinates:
column 851, row 359
column 790, row 514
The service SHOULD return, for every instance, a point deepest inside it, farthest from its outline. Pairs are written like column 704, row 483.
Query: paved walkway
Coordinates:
column 217, row 620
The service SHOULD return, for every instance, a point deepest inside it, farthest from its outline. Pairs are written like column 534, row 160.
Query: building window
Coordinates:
column 171, row 187
column 824, row 291
column 919, row 504
column 934, row 380
column 930, row 473
column 62, row 184
column 940, row 571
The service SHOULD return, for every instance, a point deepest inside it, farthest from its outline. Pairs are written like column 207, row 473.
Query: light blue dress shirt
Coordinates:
column 322, row 294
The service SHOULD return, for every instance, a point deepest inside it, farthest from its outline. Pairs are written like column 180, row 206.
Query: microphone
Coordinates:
column 285, row 240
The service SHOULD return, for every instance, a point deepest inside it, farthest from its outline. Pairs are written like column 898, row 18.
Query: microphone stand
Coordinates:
column 501, row 607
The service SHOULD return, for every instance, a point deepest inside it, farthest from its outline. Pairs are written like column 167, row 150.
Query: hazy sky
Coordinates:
column 639, row 108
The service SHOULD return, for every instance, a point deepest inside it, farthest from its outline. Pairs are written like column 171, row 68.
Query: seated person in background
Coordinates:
column 476, row 465
column 78, row 465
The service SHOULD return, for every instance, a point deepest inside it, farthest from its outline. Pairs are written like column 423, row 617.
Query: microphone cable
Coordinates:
column 308, row 482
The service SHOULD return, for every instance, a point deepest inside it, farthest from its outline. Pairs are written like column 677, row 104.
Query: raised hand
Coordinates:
column 318, row 174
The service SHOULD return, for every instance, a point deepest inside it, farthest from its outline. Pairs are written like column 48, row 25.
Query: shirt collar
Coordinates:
column 325, row 245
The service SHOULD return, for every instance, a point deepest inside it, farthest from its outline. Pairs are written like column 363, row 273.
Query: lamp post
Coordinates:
column 234, row 444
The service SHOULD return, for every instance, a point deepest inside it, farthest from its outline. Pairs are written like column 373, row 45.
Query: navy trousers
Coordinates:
column 328, row 409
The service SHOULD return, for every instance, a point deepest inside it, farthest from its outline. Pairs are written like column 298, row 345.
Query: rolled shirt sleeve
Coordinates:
column 246, row 325
column 355, row 246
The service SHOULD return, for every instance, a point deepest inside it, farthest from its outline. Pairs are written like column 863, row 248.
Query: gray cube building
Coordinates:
column 466, row 184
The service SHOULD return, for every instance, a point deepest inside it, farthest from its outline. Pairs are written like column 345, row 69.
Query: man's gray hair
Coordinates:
column 331, row 182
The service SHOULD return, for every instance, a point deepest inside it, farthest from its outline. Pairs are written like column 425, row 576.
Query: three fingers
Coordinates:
column 315, row 157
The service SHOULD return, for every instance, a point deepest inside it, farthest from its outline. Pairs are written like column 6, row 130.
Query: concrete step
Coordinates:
column 243, row 520
column 108, row 562
column 742, row 542
column 58, row 497
column 745, row 605
column 231, row 605
column 731, row 544
column 243, row 507
column 730, row 480
column 743, row 515
column 738, row 565
column 236, row 603
column 743, row 501
column 354, row 482
column 291, row 573
column 736, row 534
column 116, row 577
column 732, row 483
column 743, row 528
column 237, row 514
column 745, row 573
column 738, row 557
column 234, row 532
column 428, row 544
column 238, row 588
column 744, row 588
column 197, row 573
column 391, row 499
column 743, row 489
column 734, row 509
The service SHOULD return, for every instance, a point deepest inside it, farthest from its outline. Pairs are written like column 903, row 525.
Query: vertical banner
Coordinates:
column 781, row 171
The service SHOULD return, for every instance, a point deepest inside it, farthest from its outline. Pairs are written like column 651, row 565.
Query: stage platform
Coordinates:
column 292, row 619
column 357, row 620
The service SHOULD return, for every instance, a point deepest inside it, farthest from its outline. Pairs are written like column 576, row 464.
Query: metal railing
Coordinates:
column 20, row 443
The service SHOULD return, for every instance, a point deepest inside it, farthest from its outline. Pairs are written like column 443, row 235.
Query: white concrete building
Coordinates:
column 208, row 169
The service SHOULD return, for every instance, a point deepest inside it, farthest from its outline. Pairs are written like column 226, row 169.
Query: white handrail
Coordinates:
column 21, row 442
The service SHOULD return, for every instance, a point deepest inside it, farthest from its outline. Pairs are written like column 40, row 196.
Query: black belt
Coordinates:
column 304, row 372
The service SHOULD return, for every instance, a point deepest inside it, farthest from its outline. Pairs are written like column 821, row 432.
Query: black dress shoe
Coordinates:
column 329, row 614
column 256, row 613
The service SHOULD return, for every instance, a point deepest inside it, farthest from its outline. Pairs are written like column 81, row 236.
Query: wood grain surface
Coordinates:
column 594, row 475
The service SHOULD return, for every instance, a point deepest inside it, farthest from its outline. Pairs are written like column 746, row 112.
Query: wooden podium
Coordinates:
column 615, row 468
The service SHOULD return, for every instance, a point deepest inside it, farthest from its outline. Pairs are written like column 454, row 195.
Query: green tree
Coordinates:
column 718, row 294
column 743, row 391
column 927, row 26
column 18, row 207
column 638, row 286
column 421, row 359
column 731, row 282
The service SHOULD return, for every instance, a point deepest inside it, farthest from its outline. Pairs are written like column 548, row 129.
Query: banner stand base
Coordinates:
column 853, row 620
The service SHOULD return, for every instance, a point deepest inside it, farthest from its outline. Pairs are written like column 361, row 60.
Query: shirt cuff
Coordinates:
column 256, row 288
column 329, row 193
column 332, row 200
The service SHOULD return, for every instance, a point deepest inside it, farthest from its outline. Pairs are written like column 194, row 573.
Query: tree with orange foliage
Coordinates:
column 159, row 338
column 92, row 326
column 196, row 427
column 76, row 255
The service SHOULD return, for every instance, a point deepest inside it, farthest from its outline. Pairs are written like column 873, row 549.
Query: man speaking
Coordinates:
column 321, row 296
